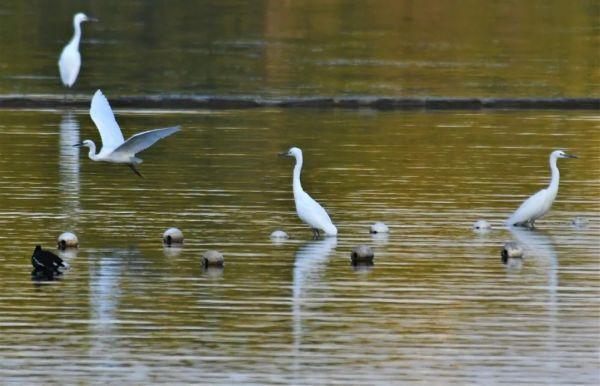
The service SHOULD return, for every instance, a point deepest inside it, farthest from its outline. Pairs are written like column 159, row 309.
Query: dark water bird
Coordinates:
column 46, row 265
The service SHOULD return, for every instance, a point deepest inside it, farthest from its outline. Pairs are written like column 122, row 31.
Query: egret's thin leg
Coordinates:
column 132, row 166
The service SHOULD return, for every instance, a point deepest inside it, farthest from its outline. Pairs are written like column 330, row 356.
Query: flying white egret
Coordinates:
column 307, row 208
column 539, row 204
column 70, row 59
column 114, row 147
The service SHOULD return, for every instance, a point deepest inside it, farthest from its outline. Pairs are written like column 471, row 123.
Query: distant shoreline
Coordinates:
column 190, row 102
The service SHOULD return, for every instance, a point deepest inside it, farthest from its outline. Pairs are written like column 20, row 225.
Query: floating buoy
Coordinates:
column 279, row 235
column 379, row 227
column 172, row 236
column 362, row 254
column 579, row 222
column 511, row 250
column 67, row 240
column 212, row 258
column 482, row 226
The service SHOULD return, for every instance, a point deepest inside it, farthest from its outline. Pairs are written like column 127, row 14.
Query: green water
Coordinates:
column 437, row 307
column 437, row 304
column 298, row 48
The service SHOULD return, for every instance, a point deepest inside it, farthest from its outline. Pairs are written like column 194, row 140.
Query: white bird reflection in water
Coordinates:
column 539, row 250
column 69, row 168
column 538, row 247
column 311, row 260
column 104, row 302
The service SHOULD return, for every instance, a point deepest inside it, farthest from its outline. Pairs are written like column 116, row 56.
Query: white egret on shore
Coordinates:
column 539, row 204
column 114, row 147
column 307, row 208
column 70, row 59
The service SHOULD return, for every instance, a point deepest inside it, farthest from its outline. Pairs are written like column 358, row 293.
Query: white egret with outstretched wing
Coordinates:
column 114, row 147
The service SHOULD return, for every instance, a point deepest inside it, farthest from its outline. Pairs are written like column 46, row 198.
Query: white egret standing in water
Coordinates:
column 539, row 204
column 70, row 59
column 307, row 208
column 114, row 147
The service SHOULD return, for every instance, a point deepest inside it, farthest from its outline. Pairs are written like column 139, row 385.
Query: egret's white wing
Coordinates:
column 104, row 119
column 69, row 64
column 531, row 208
column 144, row 140
column 312, row 213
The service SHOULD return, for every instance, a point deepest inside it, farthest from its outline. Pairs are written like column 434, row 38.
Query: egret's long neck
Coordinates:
column 553, row 187
column 296, row 181
column 92, row 154
column 77, row 34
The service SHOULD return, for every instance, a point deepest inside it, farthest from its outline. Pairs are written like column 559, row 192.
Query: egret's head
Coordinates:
column 86, row 143
column 292, row 152
column 562, row 154
column 81, row 17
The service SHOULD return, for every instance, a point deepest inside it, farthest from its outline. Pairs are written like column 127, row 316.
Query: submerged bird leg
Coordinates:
column 132, row 166
column 315, row 233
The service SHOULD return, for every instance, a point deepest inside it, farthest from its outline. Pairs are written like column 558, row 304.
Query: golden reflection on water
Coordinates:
column 282, row 48
column 437, row 304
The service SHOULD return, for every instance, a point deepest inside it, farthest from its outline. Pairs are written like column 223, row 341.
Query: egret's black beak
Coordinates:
column 284, row 154
column 92, row 19
column 80, row 144
column 570, row 156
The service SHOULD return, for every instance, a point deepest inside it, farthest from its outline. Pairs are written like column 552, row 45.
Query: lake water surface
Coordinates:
column 437, row 306
column 273, row 48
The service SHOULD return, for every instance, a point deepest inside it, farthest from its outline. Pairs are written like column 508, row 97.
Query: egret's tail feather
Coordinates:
column 331, row 230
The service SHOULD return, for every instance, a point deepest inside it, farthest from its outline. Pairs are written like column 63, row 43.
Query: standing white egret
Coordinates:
column 539, row 204
column 70, row 59
column 114, row 147
column 307, row 208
